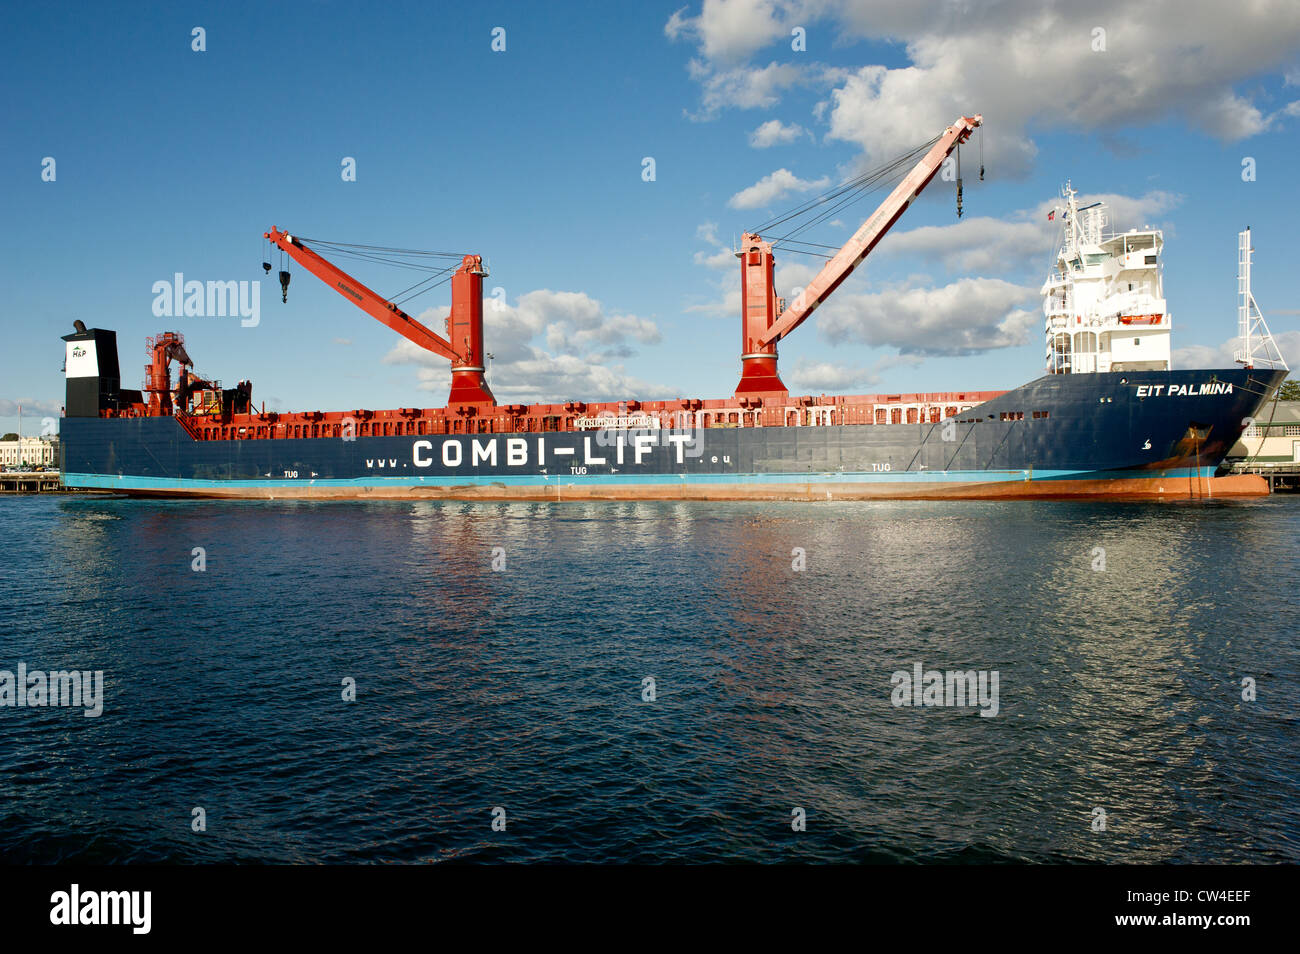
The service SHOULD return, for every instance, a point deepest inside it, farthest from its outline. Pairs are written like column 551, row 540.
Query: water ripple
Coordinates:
column 1120, row 689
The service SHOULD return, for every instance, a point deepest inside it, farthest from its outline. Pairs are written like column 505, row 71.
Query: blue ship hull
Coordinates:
column 1141, row 433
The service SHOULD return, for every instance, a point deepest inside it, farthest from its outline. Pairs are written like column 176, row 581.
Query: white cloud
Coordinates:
column 793, row 274
column 772, row 187
column 729, row 30
column 744, row 88
column 1024, row 239
column 775, row 133
column 824, row 376
column 1230, row 117
column 33, row 409
column 976, row 244
column 967, row 316
column 1210, row 357
column 576, row 356
column 728, row 304
column 1025, row 64
column 555, row 378
column 677, row 24
column 720, row 257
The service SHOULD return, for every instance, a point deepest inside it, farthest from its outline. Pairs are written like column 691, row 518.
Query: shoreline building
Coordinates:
column 1272, row 440
column 29, row 452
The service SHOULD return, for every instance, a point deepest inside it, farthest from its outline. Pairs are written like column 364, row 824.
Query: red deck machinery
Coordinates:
column 163, row 348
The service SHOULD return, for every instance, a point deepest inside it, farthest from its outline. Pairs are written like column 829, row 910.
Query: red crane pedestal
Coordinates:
column 465, row 332
column 760, row 308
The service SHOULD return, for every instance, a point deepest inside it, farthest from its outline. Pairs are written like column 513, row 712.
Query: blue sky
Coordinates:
column 171, row 160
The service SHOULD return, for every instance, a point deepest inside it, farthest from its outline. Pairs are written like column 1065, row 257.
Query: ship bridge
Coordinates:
column 1103, row 302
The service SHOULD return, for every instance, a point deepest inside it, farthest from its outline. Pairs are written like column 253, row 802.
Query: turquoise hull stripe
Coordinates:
column 127, row 482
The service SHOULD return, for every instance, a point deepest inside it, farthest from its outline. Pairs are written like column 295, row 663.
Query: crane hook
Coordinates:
column 284, row 286
column 959, row 180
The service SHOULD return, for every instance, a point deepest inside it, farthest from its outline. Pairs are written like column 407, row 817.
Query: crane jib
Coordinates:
column 868, row 236
column 465, row 324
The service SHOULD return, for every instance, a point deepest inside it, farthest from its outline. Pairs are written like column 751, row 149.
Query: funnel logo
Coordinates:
column 80, row 360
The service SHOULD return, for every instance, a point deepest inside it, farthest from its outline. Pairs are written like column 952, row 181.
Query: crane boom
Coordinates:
column 464, row 325
column 858, row 247
column 368, row 301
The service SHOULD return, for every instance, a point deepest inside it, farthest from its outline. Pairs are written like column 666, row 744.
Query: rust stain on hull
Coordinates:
column 1239, row 485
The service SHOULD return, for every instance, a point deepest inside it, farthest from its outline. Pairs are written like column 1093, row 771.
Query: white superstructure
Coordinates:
column 1103, row 302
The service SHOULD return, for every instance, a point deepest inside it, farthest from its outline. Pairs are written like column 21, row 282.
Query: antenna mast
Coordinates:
column 1258, row 349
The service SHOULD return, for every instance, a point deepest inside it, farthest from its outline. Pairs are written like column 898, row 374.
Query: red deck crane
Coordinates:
column 464, row 325
column 764, row 323
column 163, row 349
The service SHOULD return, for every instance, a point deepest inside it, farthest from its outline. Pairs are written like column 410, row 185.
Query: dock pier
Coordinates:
column 33, row 482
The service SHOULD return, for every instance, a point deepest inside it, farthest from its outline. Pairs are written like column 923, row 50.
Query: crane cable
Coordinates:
column 886, row 177
column 444, row 276
column 843, row 195
column 406, row 258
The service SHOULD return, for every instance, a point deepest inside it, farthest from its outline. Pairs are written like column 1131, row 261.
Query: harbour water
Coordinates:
column 501, row 654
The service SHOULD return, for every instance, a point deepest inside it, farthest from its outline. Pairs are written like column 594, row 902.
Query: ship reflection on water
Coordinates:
column 500, row 653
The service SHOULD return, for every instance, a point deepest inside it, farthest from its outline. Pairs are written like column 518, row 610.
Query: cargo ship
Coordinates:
column 1109, row 416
